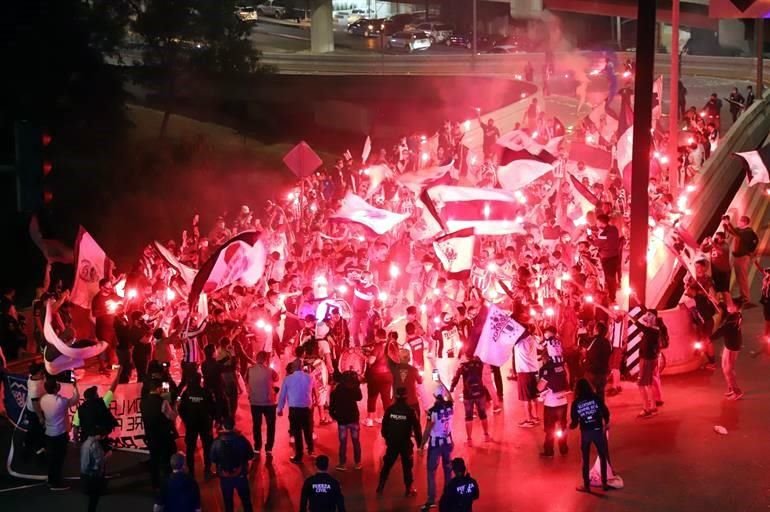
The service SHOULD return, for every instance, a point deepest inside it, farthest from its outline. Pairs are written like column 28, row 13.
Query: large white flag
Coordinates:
column 519, row 173
column 758, row 162
column 489, row 211
column 418, row 180
column 92, row 266
column 426, row 226
column 455, row 251
column 498, row 336
column 355, row 209
column 604, row 122
column 186, row 273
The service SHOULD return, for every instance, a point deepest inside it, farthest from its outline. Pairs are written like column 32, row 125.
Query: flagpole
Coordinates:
column 640, row 173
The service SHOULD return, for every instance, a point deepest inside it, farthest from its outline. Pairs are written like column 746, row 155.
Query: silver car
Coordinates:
column 409, row 41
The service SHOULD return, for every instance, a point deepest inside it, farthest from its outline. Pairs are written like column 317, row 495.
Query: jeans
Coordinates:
column 610, row 267
column 301, row 424
column 56, row 448
column 741, row 266
column 378, row 384
column 141, row 358
column 342, row 431
column 124, row 360
column 192, row 432
column 599, row 439
column 729, row 357
column 229, row 485
column 161, row 449
column 441, row 453
column 257, row 412
column 392, row 453
column 93, row 487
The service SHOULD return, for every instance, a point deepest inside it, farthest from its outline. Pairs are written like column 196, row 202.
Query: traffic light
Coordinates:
column 33, row 163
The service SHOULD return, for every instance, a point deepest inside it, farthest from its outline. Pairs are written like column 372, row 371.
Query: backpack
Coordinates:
column 664, row 339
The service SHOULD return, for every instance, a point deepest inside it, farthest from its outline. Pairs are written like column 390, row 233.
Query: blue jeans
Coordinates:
column 436, row 453
column 229, row 485
column 343, row 431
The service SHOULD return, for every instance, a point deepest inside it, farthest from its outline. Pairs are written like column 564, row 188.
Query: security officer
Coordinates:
column 461, row 491
column 195, row 407
column 231, row 452
column 321, row 492
column 398, row 424
column 158, row 416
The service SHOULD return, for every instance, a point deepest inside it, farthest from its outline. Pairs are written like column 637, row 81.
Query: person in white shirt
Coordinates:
column 55, row 408
column 527, row 366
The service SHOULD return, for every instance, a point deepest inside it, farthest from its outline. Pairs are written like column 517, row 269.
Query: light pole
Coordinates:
column 640, row 171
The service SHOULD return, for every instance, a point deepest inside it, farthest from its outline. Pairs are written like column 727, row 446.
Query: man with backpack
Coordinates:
column 745, row 242
column 231, row 453
column 474, row 395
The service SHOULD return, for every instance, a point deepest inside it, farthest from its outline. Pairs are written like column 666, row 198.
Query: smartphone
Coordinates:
column 72, row 377
column 115, row 366
column 165, row 365
column 166, row 387
column 435, row 376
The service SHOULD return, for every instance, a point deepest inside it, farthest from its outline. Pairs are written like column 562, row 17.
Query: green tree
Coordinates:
column 189, row 38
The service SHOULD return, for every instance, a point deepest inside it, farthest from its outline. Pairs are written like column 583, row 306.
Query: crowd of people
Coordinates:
column 338, row 309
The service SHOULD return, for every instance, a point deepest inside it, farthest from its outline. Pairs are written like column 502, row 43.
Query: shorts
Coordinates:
column 646, row 371
column 527, row 382
column 616, row 358
column 481, row 407
column 721, row 280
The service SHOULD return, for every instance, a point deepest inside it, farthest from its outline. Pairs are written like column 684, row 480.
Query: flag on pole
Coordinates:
column 240, row 258
column 93, row 265
column 186, row 273
column 355, row 209
column 455, row 251
column 367, row 149
column 605, row 123
column 489, row 211
column 54, row 250
column 757, row 165
column 498, row 336
column 518, row 174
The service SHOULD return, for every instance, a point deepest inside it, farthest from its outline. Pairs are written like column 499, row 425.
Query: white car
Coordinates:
column 246, row 14
column 409, row 41
column 271, row 8
column 437, row 32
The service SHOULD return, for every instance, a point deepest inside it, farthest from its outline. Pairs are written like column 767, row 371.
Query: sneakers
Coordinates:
column 379, row 420
column 257, row 452
column 410, row 492
column 295, row 460
column 546, row 455
column 645, row 413
column 487, row 438
column 427, row 506
column 497, row 410
column 369, row 422
column 340, row 467
column 729, row 392
column 736, row 395
column 527, row 424
column 357, row 466
column 269, row 453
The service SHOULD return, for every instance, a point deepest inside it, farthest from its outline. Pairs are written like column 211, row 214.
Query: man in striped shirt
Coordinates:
column 438, row 437
column 191, row 351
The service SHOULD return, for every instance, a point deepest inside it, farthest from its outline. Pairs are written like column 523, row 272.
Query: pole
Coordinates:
column 475, row 28
column 618, row 32
column 673, row 109
column 640, row 170
column 759, row 25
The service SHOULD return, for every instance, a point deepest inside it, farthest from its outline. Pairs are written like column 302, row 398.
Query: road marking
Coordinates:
column 278, row 34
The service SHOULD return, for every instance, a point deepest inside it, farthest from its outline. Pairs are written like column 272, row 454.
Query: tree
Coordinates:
column 185, row 38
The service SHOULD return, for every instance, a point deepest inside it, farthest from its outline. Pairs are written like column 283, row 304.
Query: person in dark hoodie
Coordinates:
column 343, row 408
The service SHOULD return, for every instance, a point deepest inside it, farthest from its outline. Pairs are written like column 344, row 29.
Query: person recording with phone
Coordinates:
column 158, row 417
column 55, row 408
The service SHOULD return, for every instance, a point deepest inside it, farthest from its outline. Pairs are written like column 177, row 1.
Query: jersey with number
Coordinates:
column 441, row 419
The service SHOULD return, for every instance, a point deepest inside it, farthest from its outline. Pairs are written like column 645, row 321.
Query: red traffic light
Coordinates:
column 46, row 139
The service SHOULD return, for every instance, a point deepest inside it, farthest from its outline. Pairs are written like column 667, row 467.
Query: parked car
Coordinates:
column 246, row 13
column 366, row 28
column 272, row 8
column 398, row 22
column 483, row 41
column 520, row 44
column 437, row 32
column 506, row 49
column 409, row 41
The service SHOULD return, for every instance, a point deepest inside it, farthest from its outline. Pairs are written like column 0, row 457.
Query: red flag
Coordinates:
column 302, row 160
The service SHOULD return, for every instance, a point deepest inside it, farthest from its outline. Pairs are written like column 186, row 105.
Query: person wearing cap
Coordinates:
column 321, row 492
column 399, row 424
column 474, row 395
column 93, row 465
column 231, row 453
column 297, row 392
column 94, row 413
column 261, row 381
column 405, row 376
column 461, row 491
column 180, row 491
column 438, row 436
